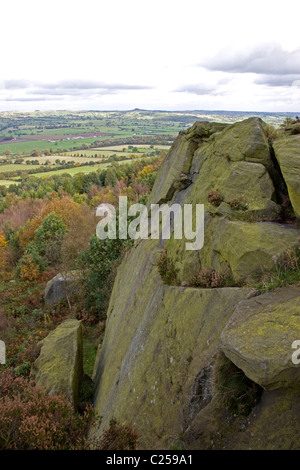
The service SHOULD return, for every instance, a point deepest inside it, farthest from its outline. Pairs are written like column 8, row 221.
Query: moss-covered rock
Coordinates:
column 247, row 249
column 59, row 367
column 228, row 161
column 158, row 338
column 155, row 365
column 258, row 338
column 177, row 164
column 287, row 152
column 273, row 424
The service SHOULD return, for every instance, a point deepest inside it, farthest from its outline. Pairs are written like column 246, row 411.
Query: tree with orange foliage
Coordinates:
column 146, row 171
column 3, row 252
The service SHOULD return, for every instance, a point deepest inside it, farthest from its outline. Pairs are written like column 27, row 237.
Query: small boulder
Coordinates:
column 59, row 367
column 60, row 286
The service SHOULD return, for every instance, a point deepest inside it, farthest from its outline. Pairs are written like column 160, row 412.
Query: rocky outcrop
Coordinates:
column 59, row 369
column 156, row 364
column 258, row 338
column 158, row 339
column 173, row 170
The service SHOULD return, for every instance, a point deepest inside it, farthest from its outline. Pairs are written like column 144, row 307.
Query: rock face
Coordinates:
column 58, row 369
column 259, row 335
column 156, row 364
column 247, row 249
column 287, row 152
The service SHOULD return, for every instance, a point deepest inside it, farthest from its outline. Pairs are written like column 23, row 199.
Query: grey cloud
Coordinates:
column 268, row 59
column 89, row 85
column 276, row 80
column 200, row 89
column 196, row 89
column 56, row 92
column 25, row 99
column 15, row 84
column 69, row 87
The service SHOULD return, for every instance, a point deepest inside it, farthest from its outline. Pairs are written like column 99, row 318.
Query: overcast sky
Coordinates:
column 162, row 54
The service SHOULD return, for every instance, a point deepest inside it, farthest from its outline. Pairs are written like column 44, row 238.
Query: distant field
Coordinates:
column 81, row 169
column 72, row 131
column 24, row 132
column 41, row 145
column 16, row 167
column 91, row 152
column 53, row 158
column 141, row 147
column 7, row 183
column 118, row 150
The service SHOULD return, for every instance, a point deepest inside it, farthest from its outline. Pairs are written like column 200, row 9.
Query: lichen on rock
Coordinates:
column 161, row 341
column 259, row 336
column 59, row 367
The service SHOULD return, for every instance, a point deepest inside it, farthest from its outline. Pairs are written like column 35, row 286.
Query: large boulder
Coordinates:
column 59, row 367
column 214, row 157
column 226, row 163
column 247, row 249
column 259, row 336
column 175, row 169
column 287, row 152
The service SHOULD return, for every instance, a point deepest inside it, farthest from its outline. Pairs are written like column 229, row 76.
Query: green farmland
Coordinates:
column 7, row 182
column 73, row 142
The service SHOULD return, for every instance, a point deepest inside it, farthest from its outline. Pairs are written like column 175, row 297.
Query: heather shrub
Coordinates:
column 30, row 418
column 214, row 198
column 209, row 278
column 237, row 203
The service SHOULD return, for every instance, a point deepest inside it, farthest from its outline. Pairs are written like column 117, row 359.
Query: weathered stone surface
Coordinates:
column 58, row 369
column 160, row 341
column 178, row 161
column 228, row 161
column 248, row 249
column 274, row 424
column 158, row 338
column 258, row 338
column 60, row 286
column 287, row 152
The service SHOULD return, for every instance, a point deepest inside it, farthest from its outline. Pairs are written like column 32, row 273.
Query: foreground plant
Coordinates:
column 30, row 418
column 209, row 278
column 167, row 270
column 286, row 272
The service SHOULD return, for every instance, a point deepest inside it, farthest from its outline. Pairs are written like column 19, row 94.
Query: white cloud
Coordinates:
column 268, row 59
column 110, row 55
